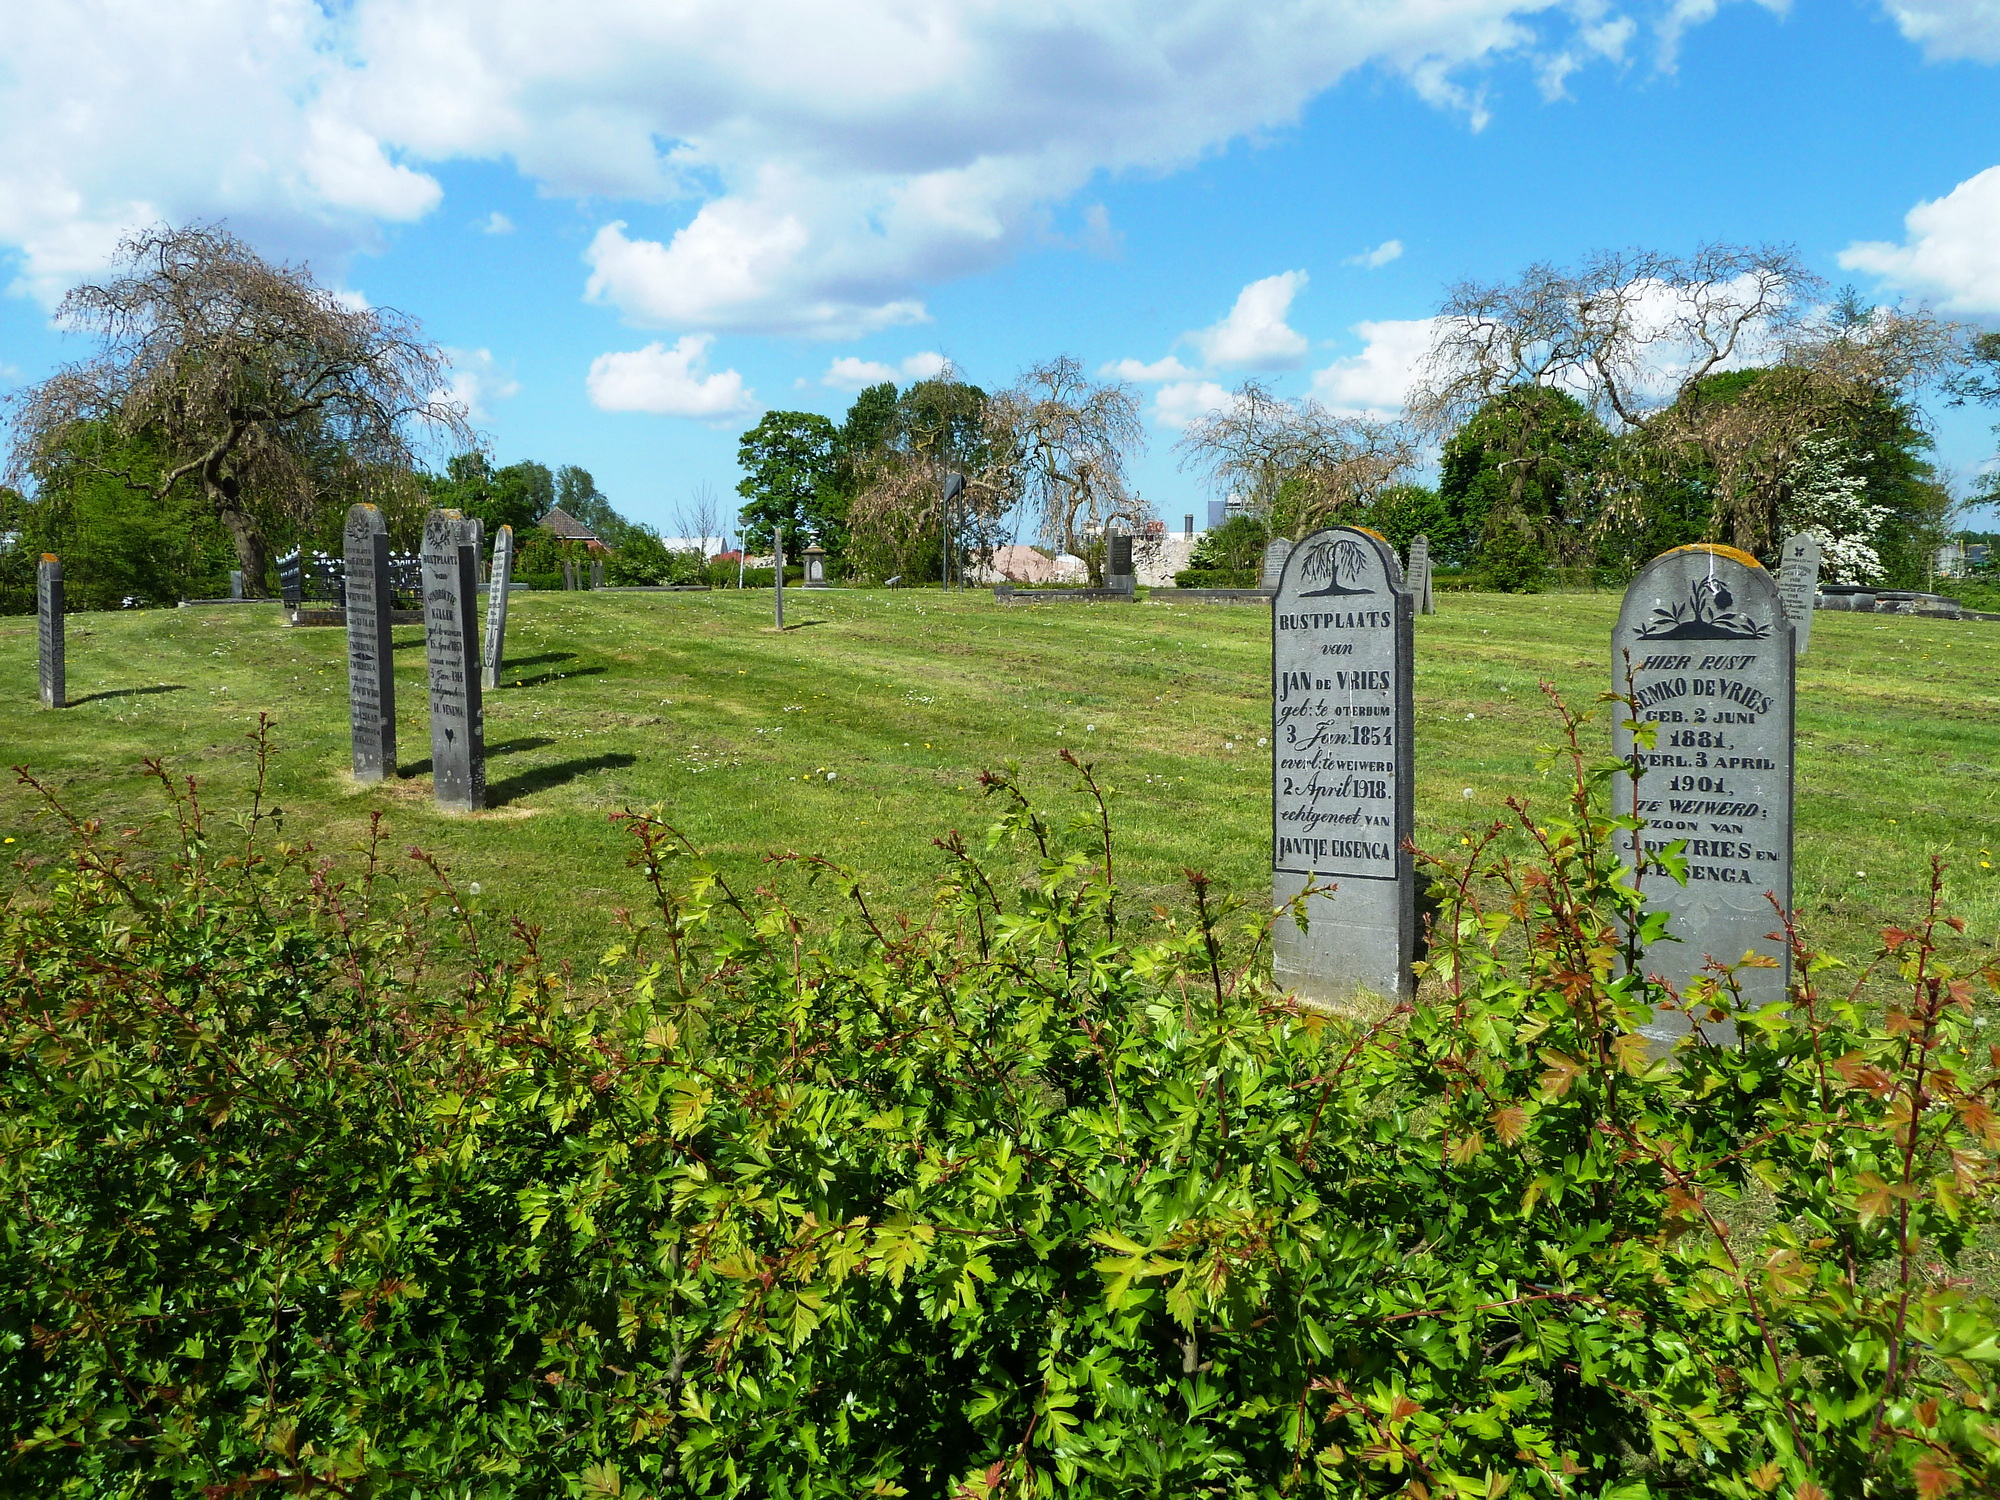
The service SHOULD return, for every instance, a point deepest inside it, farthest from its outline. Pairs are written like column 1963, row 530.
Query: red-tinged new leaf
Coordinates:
column 1510, row 1123
column 1894, row 938
column 1933, row 1478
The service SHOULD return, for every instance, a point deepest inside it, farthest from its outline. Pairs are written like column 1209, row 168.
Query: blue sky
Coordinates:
column 637, row 227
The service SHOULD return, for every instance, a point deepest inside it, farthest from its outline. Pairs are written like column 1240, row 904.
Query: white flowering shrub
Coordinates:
column 1828, row 501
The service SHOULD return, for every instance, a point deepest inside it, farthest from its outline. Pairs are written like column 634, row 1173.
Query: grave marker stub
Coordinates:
column 496, row 607
column 451, row 646
column 1342, row 777
column 1710, row 652
column 1275, row 553
column 54, row 682
column 1798, row 586
column 371, row 675
column 1420, row 576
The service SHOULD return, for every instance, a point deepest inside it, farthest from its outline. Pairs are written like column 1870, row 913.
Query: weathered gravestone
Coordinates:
column 1275, row 553
column 236, row 583
column 569, row 576
column 1118, row 556
column 1420, row 576
column 1798, row 586
column 371, row 660
column 451, row 646
column 1709, row 652
column 1342, row 778
column 496, row 607
column 597, row 573
column 49, row 631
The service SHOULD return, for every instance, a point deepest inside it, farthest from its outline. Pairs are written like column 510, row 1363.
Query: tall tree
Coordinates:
column 1068, row 438
column 270, row 395
column 787, row 461
column 1523, row 475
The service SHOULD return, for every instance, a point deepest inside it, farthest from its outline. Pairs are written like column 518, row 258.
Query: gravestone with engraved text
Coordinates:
column 496, row 607
column 1342, row 777
column 1709, row 651
column 1420, row 576
column 451, row 649
column 1798, row 587
column 54, row 681
column 1275, row 552
column 371, row 674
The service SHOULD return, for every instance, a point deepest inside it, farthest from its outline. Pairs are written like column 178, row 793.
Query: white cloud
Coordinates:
column 1144, row 374
column 1682, row 16
column 1377, row 379
column 477, row 380
column 1950, row 28
column 1951, row 250
column 788, row 166
column 1255, row 333
column 1178, row 404
column 668, row 382
column 850, row 374
column 496, row 223
column 1380, row 256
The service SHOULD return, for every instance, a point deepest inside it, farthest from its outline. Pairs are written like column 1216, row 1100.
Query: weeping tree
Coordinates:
column 266, row 395
column 1067, row 438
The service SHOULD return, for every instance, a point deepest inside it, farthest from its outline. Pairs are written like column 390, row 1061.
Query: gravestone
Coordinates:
column 496, row 607
column 778, row 572
column 1118, row 558
column 1709, row 652
column 569, row 575
column 1342, row 775
column 451, row 646
column 1798, row 586
column 597, row 573
column 54, row 679
column 292, row 579
column 371, row 674
column 1420, row 576
column 1275, row 553
column 236, row 583
column 815, row 559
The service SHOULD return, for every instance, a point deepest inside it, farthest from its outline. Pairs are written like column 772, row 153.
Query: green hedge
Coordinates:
column 318, row 1179
column 1217, row 578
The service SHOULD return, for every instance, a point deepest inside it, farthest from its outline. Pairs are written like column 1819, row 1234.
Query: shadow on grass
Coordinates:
column 547, row 658
column 541, row 679
column 542, row 778
column 165, row 687
column 515, row 747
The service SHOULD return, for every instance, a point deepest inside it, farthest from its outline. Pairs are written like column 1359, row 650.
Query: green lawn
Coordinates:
column 694, row 702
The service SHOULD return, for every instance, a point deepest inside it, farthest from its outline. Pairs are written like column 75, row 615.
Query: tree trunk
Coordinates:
column 253, row 555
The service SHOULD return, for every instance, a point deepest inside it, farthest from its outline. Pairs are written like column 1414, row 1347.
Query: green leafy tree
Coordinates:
column 577, row 494
column 788, row 485
column 1404, row 512
column 1522, row 476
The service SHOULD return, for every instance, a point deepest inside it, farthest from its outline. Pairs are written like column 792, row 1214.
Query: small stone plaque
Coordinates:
column 1342, row 779
column 371, row 675
column 1710, row 656
column 496, row 607
column 1275, row 553
column 54, row 680
column 1798, row 586
column 451, row 647
column 1420, row 576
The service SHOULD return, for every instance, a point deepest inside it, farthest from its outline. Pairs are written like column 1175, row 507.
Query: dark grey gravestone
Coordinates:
column 1275, row 553
column 49, row 631
column 292, row 579
column 371, row 675
column 569, row 576
column 1118, row 561
column 1798, row 586
column 1342, row 778
column 1420, row 576
column 1710, row 656
column 451, row 647
column 496, row 607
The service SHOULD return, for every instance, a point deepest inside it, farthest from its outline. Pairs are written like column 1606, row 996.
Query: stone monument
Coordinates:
column 371, row 660
column 815, row 561
column 292, row 579
column 597, row 572
column 1704, row 638
column 49, row 631
column 496, row 607
column 236, row 583
column 1342, row 778
column 1798, row 586
column 1117, row 557
column 1275, row 553
column 451, row 646
column 1420, row 576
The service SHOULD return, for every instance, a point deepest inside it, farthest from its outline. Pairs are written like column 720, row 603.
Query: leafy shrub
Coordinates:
column 327, row 1183
column 1217, row 578
column 1237, row 543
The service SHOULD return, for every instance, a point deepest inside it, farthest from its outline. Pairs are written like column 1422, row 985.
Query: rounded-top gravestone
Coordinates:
column 1705, row 651
column 1342, row 778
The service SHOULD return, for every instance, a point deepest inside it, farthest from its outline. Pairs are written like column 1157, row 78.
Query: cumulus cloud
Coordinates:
column 1183, row 401
column 668, row 382
column 1255, row 334
column 1380, row 256
column 1950, row 28
column 1144, row 374
column 496, row 223
column 787, row 167
column 1376, row 380
column 477, row 381
column 1951, row 249
column 850, row 374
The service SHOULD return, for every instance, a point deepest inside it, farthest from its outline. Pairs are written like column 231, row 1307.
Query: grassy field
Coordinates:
column 860, row 733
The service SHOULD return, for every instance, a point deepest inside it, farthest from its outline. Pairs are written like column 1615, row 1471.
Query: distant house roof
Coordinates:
column 567, row 526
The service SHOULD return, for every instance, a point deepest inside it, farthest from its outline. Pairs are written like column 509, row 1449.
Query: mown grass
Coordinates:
column 695, row 703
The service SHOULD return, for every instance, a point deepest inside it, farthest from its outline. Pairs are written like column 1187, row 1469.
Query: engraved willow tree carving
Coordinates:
column 1336, row 563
